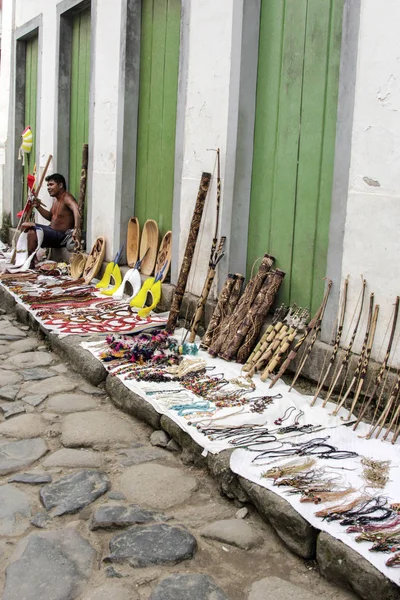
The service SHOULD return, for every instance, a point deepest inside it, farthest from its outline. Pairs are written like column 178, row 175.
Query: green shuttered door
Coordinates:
column 159, row 62
column 31, row 69
column 80, row 78
column 297, row 89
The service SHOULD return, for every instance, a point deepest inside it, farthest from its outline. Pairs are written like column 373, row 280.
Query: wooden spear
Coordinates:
column 349, row 347
column 81, row 201
column 383, row 365
column 313, row 339
column 335, row 348
column 361, row 357
column 364, row 365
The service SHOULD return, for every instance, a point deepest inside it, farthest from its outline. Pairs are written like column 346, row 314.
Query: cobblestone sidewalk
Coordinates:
column 95, row 505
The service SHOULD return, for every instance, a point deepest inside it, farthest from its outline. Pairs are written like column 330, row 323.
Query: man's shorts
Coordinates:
column 52, row 238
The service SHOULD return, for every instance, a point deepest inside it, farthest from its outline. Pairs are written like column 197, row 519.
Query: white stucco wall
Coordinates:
column 106, row 46
column 372, row 240
column 5, row 72
column 206, row 121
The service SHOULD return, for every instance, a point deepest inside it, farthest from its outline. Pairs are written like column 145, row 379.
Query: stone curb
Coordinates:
column 337, row 562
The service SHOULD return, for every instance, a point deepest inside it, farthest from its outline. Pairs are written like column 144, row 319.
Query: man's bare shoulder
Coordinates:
column 68, row 198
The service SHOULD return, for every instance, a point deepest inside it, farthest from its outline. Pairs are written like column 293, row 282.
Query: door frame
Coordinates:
column 66, row 11
column 22, row 34
column 239, row 162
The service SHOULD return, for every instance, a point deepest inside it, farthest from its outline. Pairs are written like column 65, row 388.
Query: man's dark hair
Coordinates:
column 58, row 178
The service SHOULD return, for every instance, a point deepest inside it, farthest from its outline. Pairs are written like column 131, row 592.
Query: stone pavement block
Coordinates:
column 14, row 507
column 295, row 531
column 24, row 360
column 143, row 546
column 73, row 459
column 71, row 493
column 183, row 587
column 136, row 456
column 34, row 478
column 69, row 403
column 112, row 591
column 279, row 589
column 11, row 409
column 23, row 427
column 9, row 378
column 110, row 516
column 345, row 567
column 9, row 392
column 21, row 454
column 97, row 429
column 52, row 565
column 131, row 403
column 234, row 532
column 142, row 484
column 52, row 385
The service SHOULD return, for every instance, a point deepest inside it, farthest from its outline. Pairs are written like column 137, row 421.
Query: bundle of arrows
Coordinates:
column 276, row 341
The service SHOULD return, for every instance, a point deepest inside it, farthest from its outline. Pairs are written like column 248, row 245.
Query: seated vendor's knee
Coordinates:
column 32, row 240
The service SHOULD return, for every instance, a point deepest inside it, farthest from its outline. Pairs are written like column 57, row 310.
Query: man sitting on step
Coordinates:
column 63, row 216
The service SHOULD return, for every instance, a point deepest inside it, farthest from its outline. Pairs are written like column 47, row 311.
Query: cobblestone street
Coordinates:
column 94, row 504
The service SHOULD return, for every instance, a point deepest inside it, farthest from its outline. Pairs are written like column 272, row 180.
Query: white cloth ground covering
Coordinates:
column 344, row 438
column 315, row 415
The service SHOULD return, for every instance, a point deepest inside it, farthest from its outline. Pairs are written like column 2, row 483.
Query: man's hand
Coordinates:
column 27, row 225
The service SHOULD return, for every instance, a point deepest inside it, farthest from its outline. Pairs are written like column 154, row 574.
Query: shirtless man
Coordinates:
column 63, row 216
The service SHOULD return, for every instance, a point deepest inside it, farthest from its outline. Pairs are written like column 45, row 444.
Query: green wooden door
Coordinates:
column 31, row 69
column 296, row 106
column 79, row 107
column 159, row 62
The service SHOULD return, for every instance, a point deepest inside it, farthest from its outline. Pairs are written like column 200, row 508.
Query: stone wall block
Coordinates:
column 131, row 403
column 345, row 567
column 80, row 360
column 295, row 531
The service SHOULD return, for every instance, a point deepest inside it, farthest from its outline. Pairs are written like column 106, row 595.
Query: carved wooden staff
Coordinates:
column 219, row 311
column 28, row 208
column 217, row 255
column 256, row 314
column 364, row 365
column 346, row 358
column 189, row 251
column 293, row 353
column 81, row 200
column 231, row 325
column 314, row 336
column 338, row 337
column 383, row 365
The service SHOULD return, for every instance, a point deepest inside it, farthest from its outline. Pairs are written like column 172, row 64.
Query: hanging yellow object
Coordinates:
column 27, row 140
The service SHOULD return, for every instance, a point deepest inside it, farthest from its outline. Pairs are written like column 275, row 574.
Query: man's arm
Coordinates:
column 72, row 204
column 46, row 214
